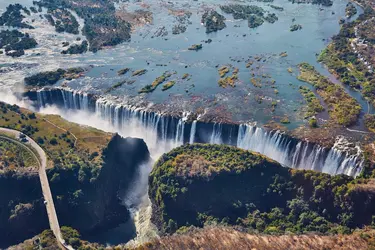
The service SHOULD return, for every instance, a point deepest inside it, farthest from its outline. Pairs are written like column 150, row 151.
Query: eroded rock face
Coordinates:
column 213, row 21
column 89, row 205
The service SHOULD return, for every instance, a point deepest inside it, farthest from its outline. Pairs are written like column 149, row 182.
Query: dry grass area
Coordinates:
column 228, row 239
column 186, row 165
column 368, row 187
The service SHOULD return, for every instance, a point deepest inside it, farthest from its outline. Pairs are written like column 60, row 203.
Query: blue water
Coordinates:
column 232, row 45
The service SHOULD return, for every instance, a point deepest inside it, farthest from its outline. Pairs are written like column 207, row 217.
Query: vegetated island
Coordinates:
column 14, row 18
column 343, row 109
column 15, row 42
column 76, row 48
column 159, row 80
column 255, row 15
column 213, row 21
column 199, row 185
column 196, row 47
column 86, row 169
column 63, row 20
column 102, row 26
column 51, row 77
column 295, row 27
column 319, row 2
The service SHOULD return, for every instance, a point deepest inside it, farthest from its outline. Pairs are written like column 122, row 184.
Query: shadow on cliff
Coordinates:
column 90, row 205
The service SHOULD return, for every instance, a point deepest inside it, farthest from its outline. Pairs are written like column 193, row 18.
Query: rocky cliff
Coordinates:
column 210, row 184
column 83, row 203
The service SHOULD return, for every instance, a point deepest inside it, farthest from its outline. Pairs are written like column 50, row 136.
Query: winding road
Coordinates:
column 42, row 160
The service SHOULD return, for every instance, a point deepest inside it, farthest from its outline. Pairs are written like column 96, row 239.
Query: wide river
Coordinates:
column 235, row 45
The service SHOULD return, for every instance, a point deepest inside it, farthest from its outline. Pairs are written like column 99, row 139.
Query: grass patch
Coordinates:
column 66, row 144
column 15, row 157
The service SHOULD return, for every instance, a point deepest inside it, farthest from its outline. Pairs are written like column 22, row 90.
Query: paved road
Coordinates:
column 42, row 159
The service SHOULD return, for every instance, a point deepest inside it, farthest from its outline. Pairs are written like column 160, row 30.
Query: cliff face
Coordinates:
column 96, row 204
column 86, row 205
column 22, row 213
column 210, row 184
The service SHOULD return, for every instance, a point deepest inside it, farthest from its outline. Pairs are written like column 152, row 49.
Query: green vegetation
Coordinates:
column 254, row 21
column 102, row 26
column 195, row 47
column 295, row 27
column 215, row 184
column 224, row 80
column 14, row 18
column 213, row 21
column 77, row 48
column 313, row 123
column 240, row 11
column 285, row 120
column 343, row 62
column 68, row 145
column 223, row 70
column 343, row 109
column 370, row 122
column 313, row 104
column 123, row 71
column 271, row 18
column 71, row 236
column 15, row 157
column 319, row 2
column 115, row 86
column 63, row 21
column 15, row 43
column 52, row 77
column 47, row 240
column 159, row 80
column 276, row 7
column 139, row 72
column 254, row 14
column 229, row 80
column 85, row 166
column 350, row 10
column 168, row 85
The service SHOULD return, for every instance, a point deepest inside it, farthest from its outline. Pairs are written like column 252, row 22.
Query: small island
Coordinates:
column 77, row 48
column 255, row 21
column 295, row 27
column 15, row 42
column 213, row 21
column 195, row 47
column 52, row 77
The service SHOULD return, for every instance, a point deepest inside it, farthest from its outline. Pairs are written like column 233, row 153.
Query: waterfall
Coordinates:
column 192, row 132
column 180, row 132
column 166, row 132
column 303, row 155
column 40, row 98
column 216, row 134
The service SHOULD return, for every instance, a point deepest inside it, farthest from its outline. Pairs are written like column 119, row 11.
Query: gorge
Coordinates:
column 174, row 131
column 127, row 68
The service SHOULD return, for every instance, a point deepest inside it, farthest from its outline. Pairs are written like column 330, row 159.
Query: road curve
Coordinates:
column 42, row 159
